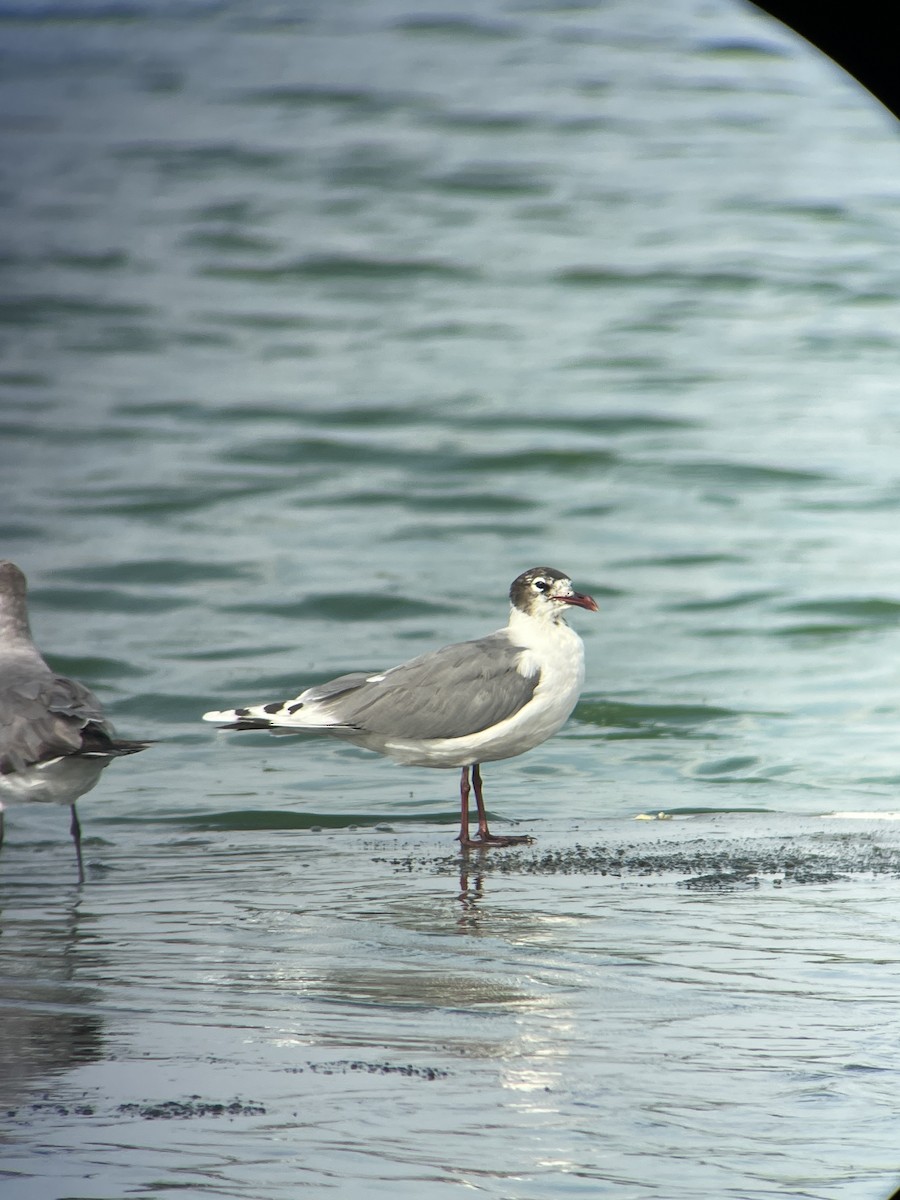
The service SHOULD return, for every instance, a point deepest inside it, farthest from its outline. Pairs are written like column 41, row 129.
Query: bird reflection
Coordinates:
column 54, row 739
column 471, row 891
column 51, row 1021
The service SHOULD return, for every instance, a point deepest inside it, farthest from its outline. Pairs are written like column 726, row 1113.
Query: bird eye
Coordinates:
column 541, row 585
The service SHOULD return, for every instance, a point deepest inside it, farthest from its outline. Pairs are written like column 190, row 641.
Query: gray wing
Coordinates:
column 459, row 690
column 43, row 715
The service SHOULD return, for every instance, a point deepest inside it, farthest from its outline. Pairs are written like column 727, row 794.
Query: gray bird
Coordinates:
column 467, row 704
column 54, row 739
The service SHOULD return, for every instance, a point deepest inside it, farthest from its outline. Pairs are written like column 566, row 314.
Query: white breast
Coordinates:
column 56, row 781
column 553, row 650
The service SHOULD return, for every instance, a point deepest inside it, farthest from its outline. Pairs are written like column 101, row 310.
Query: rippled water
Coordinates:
column 319, row 323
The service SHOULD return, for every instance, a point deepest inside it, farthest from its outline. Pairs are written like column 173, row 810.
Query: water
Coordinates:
column 319, row 324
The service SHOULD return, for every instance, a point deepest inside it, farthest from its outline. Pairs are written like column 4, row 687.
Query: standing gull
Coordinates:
column 54, row 739
column 467, row 704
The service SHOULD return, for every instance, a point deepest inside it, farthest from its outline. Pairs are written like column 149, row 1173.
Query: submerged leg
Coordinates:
column 485, row 837
column 75, row 829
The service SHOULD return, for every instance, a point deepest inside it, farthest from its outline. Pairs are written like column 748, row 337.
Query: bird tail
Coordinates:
column 239, row 723
column 122, row 746
column 312, row 710
column 99, row 741
column 272, row 716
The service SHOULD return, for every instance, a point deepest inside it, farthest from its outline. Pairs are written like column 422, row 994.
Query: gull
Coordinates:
column 458, row 707
column 54, row 739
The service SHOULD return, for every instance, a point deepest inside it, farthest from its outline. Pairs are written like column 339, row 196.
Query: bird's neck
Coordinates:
column 14, row 630
column 527, row 630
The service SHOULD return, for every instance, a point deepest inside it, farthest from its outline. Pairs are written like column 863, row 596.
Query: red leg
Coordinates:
column 485, row 837
column 483, row 832
column 464, row 807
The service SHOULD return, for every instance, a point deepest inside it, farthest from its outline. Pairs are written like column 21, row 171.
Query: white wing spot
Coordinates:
column 528, row 664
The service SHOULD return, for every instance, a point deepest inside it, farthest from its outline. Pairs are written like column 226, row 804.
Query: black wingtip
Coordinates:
column 97, row 742
column 123, row 746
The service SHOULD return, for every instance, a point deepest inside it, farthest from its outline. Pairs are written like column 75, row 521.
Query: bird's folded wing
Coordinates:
column 454, row 692
column 42, row 717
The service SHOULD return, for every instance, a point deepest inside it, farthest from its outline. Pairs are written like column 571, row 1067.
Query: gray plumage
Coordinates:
column 463, row 705
column 43, row 716
column 480, row 687
column 54, row 739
